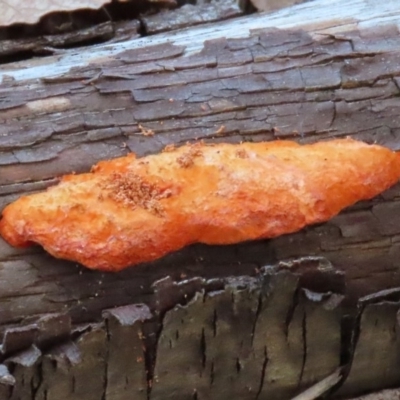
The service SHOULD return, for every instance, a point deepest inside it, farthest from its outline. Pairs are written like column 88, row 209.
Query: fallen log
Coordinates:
column 237, row 321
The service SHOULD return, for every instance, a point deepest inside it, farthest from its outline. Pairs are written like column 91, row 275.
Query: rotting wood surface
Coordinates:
column 269, row 336
column 260, row 87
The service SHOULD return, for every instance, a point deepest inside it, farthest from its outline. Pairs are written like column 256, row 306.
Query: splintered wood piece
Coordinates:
column 320, row 388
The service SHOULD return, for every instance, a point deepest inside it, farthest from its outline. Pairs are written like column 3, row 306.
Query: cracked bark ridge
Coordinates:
column 25, row 367
column 321, row 330
column 168, row 292
column 292, row 324
column 126, row 371
column 222, row 340
column 75, row 369
column 315, row 273
column 42, row 331
column 18, row 338
column 375, row 366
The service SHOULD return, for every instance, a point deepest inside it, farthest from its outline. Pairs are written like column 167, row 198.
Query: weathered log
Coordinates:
column 330, row 70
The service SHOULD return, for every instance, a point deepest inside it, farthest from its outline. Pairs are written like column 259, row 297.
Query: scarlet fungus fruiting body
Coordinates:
column 132, row 210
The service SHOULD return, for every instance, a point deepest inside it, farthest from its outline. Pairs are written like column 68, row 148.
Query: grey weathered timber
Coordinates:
column 318, row 70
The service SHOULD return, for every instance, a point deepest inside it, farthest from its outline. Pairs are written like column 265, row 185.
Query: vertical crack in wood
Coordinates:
column 203, row 349
column 150, row 355
column 107, row 352
column 263, row 372
column 73, row 385
column 212, row 373
column 374, row 362
column 238, row 365
column 215, row 322
column 36, row 385
column 334, row 111
column 350, row 332
column 304, row 338
column 258, row 311
column 291, row 310
column 349, row 344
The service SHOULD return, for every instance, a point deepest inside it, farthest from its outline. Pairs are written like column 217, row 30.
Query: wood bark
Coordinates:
column 323, row 69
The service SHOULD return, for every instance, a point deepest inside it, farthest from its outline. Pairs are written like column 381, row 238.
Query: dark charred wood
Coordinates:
column 126, row 356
